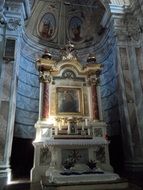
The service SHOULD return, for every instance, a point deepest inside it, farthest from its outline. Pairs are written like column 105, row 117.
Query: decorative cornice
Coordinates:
column 13, row 23
column 120, row 2
column 117, row 9
column 13, row 13
column 128, row 27
column 23, row 5
column 97, row 141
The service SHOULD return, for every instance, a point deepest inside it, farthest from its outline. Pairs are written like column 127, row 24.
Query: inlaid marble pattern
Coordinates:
column 76, row 155
column 45, row 156
column 4, row 106
column 100, row 154
column 4, row 111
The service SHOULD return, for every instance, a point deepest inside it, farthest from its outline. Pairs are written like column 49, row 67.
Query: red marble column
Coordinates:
column 95, row 109
column 45, row 103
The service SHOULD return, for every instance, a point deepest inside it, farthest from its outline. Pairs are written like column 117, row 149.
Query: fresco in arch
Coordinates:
column 47, row 26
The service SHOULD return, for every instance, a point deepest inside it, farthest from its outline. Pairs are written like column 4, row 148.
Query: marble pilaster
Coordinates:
column 130, row 87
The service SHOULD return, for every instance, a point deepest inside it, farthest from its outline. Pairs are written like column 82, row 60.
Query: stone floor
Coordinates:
column 23, row 185
column 135, row 183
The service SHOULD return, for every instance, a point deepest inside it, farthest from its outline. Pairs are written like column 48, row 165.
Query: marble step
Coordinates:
column 121, row 184
column 106, row 186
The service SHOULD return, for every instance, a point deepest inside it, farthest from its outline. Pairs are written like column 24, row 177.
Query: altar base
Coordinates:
column 92, row 183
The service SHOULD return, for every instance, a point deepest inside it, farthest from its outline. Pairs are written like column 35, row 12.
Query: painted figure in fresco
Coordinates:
column 47, row 29
column 47, row 26
column 76, row 30
column 75, row 27
column 69, row 102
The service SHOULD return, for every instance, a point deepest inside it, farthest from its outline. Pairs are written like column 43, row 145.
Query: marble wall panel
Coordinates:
column 45, row 156
column 108, row 88
column 126, row 137
column 134, row 131
column 110, row 101
column 109, row 98
column 100, row 154
column 24, row 131
column 27, row 100
column 141, row 77
column 1, row 52
column 28, row 66
column 131, row 89
column 4, row 111
column 107, row 65
column 26, row 117
column 7, row 81
column 114, row 128
column 28, row 77
column 128, row 86
column 27, row 103
column 106, row 78
column 109, row 68
column 136, row 59
column 111, row 115
column 138, row 77
column 28, row 90
column 139, row 58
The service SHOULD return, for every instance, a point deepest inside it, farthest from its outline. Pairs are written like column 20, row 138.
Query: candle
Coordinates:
column 55, row 123
column 86, row 122
column 63, row 122
column 56, row 131
column 88, row 131
column 68, row 128
column 59, row 125
column 83, row 126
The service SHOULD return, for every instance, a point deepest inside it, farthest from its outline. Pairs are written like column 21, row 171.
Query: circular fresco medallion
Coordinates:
column 47, row 26
column 75, row 29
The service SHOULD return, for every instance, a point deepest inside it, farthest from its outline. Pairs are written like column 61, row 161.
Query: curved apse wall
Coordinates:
column 27, row 99
column 109, row 94
column 28, row 96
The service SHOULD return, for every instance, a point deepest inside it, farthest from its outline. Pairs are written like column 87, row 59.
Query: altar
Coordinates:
column 71, row 145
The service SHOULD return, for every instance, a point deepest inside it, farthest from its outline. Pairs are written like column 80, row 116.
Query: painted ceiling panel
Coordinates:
column 53, row 23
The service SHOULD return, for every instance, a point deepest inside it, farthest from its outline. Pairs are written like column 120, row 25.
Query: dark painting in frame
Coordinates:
column 69, row 100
